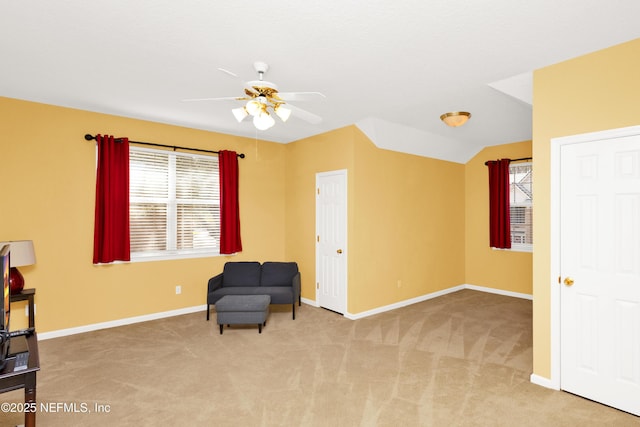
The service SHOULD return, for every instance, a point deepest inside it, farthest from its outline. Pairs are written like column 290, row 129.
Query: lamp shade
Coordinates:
column 22, row 252
column 240, row 113
column 263, row 121
column 283, row 113
column 253, row 107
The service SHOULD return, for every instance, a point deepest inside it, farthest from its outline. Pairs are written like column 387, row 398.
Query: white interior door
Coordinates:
column 331, row 240
column 600, row 271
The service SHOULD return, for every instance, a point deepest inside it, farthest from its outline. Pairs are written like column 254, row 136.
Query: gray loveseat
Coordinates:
column 279, row 280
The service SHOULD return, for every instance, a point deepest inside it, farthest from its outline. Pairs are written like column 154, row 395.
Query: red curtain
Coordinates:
column 499, row 215
column 230, row 241
column 111, row 230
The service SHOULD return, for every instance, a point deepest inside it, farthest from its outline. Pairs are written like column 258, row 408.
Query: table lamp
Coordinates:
column 22, row 254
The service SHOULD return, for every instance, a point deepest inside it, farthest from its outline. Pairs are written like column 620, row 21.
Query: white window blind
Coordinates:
column 174, row 204
column 521, row 206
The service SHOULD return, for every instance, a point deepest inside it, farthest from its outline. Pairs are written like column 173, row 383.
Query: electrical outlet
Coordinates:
column 399, row 283
column 178, row 290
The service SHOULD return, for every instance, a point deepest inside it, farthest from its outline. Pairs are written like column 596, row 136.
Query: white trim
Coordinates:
column 404, row 303
column 426, row 297
column 554, row 231
column 311, row 302
column 345, row 249
column 499, row 292
column 172, row 255
column 517, row 247
column 198, row 308
column 120, row 322
column 544, row 382
column 598, row 135
column 554, row 262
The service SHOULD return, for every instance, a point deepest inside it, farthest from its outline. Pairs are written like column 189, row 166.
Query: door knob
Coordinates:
column 568, row 281
column 339, row 251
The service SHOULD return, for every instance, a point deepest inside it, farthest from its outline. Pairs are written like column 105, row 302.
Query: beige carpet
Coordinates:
column 463, row 359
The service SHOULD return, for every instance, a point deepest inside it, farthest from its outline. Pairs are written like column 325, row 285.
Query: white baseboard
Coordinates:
column 499, row 292
column 189, row 310
column 402, row 303
column 310, row 302
column 435, row 295
column 120, row 322
column 544, row 382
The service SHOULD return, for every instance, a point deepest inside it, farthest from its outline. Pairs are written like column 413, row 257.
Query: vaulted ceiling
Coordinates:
column 390, row 67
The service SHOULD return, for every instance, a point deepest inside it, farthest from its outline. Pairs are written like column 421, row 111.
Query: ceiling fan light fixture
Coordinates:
column 263, row 121
column 240, row 113
column 254, row 107
column 283, row 112
column 263, row 101
column 455, row 118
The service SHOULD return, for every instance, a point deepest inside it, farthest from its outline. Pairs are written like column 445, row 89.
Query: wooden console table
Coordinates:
column 26, row 378
column 26, row 294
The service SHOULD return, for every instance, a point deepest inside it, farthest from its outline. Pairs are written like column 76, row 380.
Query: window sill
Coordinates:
column 172, row 256
column 516, row 248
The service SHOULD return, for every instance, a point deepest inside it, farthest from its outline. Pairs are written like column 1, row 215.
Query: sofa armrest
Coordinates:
column 295, row 283
column 214, row 283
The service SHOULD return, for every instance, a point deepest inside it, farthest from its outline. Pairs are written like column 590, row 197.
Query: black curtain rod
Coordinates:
column 514, row 160
column 90, row 137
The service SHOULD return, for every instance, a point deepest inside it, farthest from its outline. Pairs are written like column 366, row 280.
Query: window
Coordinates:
column 521, row 206
column 174, row 204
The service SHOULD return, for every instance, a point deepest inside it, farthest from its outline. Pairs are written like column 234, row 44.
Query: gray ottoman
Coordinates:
column 242, row 310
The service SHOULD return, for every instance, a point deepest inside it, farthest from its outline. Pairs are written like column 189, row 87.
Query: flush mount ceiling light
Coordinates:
column 455, row 118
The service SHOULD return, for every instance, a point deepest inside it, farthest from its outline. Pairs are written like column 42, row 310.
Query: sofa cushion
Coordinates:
column 242, row 273
column 278, row 273
column 279, row 294
column 214, row 296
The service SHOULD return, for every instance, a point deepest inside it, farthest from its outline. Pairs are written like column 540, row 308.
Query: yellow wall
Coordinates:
column 326, row 152
column 405, row 218
column 49, row 171
column 406, row 227
column 591, row 93
column 504, row 270
column 408, row 236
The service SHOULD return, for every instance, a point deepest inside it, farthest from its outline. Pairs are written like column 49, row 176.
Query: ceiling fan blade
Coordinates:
column 304, row 114
column 228, row 98
column 300, row 96
column 244, row 84
column 228, row 72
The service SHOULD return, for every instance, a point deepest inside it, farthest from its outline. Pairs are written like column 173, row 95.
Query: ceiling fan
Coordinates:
column 263, row 99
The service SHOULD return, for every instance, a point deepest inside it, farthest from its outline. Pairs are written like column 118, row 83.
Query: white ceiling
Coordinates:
column 391, row 67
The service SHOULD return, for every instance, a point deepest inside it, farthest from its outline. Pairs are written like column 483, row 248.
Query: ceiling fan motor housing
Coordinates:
column 260, row 67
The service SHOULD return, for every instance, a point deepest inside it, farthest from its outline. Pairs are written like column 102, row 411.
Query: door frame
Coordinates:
column 554, row 230
column 343, row 172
